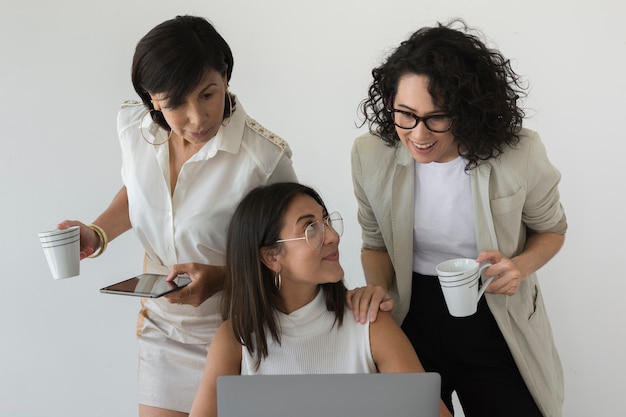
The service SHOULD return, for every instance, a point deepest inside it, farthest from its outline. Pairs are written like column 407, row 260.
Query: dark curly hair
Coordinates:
column 474, row 84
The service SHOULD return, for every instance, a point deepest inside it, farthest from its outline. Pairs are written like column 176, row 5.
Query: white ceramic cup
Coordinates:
column 62, row 250
column 460, row 282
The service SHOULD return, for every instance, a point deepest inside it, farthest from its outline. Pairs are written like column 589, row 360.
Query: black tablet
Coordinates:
column 147, row 285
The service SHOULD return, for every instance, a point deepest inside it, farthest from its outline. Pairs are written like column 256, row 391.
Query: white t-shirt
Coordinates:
column 443, row 226
column 191, row 225
column 312, row 343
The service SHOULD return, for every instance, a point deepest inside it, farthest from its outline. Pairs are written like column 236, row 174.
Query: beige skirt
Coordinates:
column 169, row 371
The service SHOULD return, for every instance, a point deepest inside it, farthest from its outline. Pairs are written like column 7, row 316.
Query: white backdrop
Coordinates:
column 301, row 69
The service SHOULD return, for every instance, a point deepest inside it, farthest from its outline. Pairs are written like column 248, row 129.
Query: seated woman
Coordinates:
column 284, row 299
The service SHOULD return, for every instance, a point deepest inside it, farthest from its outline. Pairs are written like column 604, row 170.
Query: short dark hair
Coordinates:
column 250, row 298
column 173, row 57
column 474, row 84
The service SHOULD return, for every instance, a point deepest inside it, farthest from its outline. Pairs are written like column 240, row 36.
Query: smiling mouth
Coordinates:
column 424, row 146
column 332, row 256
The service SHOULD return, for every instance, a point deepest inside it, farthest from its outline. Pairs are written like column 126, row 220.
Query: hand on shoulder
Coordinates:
column 365, row 302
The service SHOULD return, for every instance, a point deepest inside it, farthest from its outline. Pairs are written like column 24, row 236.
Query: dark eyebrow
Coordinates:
column 305, row 217
column 209, row 86
column 410, row 110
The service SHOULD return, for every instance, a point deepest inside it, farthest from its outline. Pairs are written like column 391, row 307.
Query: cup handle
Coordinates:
column 486, row 283
column 484, row 287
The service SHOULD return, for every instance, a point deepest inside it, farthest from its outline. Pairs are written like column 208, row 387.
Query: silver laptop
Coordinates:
column 329, row 395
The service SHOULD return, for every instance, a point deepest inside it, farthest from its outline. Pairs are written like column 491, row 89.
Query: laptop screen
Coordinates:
column 329, row 395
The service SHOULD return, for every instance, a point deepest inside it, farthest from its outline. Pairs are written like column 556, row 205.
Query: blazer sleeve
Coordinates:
column 543, row 211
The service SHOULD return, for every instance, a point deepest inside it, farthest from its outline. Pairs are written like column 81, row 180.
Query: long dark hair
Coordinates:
column 173, row 57
column 250, row 298
column 474, row 84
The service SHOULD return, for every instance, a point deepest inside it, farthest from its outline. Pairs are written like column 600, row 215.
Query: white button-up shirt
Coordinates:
column 190, row 225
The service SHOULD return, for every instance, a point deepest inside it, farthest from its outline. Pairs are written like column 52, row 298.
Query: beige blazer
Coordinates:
column 511, row 193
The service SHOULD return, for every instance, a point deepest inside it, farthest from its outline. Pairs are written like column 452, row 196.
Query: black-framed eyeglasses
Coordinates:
column 438, row 123
column 314, row 233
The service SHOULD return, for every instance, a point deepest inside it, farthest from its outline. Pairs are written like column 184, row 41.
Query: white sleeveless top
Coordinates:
column 312, row 343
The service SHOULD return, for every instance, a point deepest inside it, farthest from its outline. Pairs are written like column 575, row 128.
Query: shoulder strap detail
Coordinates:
column 275, row 139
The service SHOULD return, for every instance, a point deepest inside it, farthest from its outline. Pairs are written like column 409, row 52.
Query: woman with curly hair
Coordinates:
column 447, row 171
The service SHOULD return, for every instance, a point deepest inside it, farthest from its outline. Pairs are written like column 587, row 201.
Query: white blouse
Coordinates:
column 191, row 224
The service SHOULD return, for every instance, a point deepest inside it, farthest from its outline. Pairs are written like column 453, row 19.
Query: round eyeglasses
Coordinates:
column 438, row 123
column 314, row 233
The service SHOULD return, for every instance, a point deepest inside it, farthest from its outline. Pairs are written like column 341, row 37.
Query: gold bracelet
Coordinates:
column 103, row 240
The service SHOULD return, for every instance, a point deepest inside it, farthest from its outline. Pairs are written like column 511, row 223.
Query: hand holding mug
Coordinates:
column 88, row 238
column 505, row 269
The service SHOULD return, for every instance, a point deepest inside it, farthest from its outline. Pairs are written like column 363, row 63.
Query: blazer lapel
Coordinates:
column 402, row 204
column 482, row 209
column 483, row 221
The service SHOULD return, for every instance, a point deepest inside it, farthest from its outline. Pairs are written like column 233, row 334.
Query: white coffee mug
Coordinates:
column 62, row 250
column 460, row 283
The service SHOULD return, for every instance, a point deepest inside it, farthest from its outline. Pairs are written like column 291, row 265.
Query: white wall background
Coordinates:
column 301, row 69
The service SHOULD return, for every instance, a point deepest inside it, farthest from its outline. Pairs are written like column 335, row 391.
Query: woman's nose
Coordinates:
column 420, row 130
column 330, row 235
column 196, row 114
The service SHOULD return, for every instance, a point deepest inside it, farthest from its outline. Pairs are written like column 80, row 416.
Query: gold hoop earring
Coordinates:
column 231, row 109
column 278, row 280
column 152, row 130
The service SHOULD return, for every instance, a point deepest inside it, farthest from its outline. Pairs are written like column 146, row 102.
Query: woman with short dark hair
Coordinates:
column 189, row 154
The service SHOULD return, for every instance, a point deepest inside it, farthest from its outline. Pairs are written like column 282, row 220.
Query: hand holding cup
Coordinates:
column 88, row 238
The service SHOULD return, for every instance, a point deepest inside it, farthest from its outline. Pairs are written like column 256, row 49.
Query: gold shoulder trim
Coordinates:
column 275, row 139
column 129, row 103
